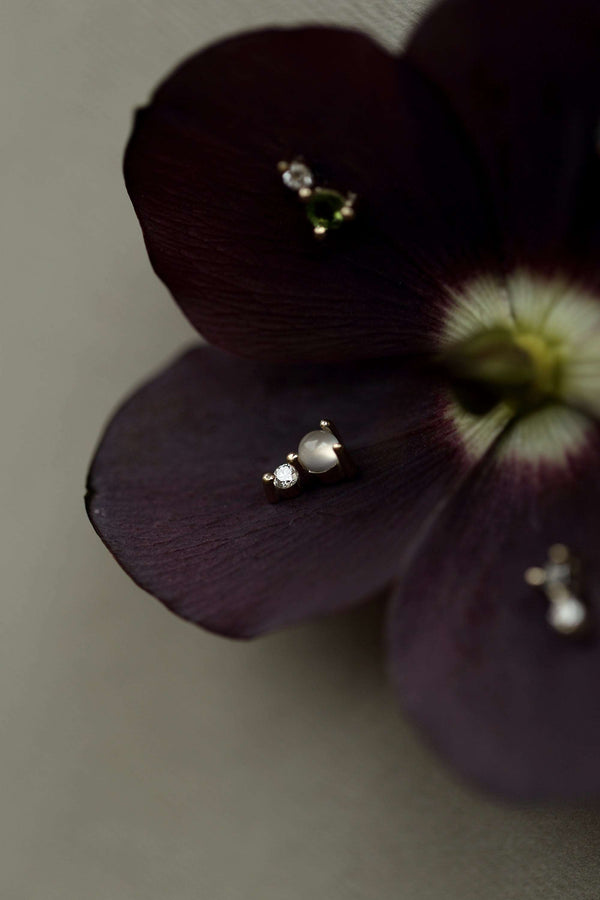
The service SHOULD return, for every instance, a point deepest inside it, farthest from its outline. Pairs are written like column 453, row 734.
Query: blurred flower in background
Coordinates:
column 452, row 330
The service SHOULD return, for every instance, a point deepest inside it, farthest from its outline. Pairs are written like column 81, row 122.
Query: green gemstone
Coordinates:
column 324, row 209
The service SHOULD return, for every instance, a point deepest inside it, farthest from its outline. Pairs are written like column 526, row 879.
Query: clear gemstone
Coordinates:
column 567, row 616
column 316, row 453
column 297, row 176
column 285, row 476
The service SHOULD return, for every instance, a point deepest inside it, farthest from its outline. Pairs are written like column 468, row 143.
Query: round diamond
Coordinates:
column 285, row 476
column 316, row 452
column 567, row 616
column 297, row 176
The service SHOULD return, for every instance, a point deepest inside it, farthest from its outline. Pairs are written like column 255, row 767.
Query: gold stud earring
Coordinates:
column 559, row 578
column 321, row 458
column 326, row 209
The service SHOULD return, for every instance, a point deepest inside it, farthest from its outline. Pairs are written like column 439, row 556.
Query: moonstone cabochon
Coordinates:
column 175, row 487
column 316, row 453
column 235, row 246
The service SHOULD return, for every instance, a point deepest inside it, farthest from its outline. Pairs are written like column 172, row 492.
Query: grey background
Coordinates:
column 141, row 758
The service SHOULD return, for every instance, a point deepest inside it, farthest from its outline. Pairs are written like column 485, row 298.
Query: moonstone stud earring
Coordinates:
column 559, row 579
column 326, row 209
column 321, row 458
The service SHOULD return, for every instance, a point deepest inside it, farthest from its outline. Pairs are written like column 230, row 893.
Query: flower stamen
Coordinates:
column 521, row 369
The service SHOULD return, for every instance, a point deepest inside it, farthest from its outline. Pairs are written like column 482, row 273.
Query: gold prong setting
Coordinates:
column 559, row 578
column 321, row 458
column 347, row 211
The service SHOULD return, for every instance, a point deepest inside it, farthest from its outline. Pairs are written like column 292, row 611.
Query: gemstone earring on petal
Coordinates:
column 321, row 458
column 326, row 209
column 559, row 579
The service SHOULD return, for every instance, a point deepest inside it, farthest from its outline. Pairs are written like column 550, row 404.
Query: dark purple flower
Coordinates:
column 452, row 331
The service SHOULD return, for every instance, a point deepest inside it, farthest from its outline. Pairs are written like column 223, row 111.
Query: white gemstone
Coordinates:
column 286, row 476
column 297, row 176
column 567, row 616
column 316, row 453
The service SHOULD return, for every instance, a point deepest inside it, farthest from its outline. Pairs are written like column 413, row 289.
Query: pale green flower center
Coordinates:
column 525, row 352
column 520, row 368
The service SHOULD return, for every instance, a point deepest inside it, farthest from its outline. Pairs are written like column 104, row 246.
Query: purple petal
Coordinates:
column 512, row 703
column 175, row 488
column 234, row 245
column 523, row 77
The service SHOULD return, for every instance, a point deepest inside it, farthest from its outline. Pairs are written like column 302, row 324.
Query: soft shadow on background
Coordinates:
column 141, row 758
